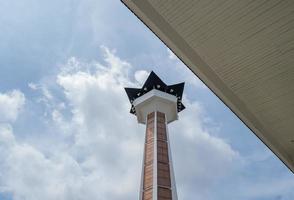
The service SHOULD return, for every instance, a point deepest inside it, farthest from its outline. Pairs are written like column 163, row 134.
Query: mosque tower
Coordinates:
column 156, row 105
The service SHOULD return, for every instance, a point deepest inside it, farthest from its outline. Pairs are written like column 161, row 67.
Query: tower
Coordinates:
column 156, row 105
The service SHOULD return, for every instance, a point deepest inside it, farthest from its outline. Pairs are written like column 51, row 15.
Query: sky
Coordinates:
column 65, row 128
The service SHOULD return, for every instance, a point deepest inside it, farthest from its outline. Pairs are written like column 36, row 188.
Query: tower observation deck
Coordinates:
column 156, row 105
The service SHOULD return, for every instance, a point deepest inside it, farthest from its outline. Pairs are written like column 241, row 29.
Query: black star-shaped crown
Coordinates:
column 154, row 82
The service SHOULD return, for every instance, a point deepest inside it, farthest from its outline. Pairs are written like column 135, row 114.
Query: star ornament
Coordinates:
column 154, row 82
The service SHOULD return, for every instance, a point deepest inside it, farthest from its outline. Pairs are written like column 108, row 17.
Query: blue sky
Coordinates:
column 65, row 127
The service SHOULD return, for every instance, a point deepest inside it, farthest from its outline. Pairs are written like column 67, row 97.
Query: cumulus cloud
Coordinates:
column 28, row 174
column 33, row 86
column 10, row 105
column 141, row 76
column 6, row 135
column 200, row 159
column 101, row 153
column 102, row 147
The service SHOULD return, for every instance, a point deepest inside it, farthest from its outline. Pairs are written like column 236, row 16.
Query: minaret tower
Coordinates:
column 156, row 105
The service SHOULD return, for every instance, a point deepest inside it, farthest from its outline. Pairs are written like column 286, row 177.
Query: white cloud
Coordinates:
column 30, row 175
column 100, row 157
column 141, row 76
column 43, row 88
column 33, row 86
column 104, row 127
column 200, row 159
column 6, row 135
column 10, row 105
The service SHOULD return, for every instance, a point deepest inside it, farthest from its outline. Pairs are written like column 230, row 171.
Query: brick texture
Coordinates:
column 163, row 166
column 149, row 159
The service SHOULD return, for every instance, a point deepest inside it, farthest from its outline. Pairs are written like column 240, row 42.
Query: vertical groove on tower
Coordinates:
column 149, row 158
column 163, row 164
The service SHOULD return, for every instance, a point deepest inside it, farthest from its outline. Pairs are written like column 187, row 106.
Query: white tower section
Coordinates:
column 156, row 100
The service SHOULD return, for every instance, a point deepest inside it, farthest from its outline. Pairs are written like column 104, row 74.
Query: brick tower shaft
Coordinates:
column 157, row 176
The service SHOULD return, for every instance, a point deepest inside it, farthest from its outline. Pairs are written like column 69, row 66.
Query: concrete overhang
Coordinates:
column 243, row 51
